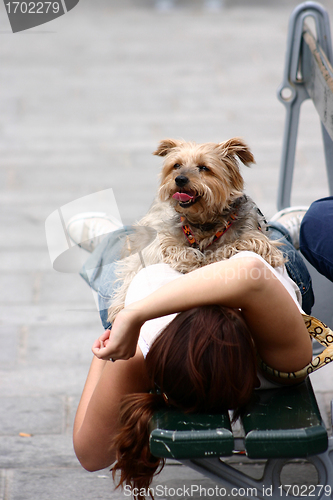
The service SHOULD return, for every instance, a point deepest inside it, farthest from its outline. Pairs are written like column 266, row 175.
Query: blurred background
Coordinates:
column 84, row 101
column 86, row 98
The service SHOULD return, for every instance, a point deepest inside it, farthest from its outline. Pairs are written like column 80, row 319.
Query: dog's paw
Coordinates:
column 183, row 259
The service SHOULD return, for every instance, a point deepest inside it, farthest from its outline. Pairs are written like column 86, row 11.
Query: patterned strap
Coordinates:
column 188, row 233
column 191, row 239
column 218, row 235
column 324, row 335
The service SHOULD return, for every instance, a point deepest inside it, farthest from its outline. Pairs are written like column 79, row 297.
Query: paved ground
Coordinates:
column 84, row 101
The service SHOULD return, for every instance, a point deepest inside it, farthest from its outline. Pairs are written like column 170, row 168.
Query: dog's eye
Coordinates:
column 203, row 168
column 176, row 165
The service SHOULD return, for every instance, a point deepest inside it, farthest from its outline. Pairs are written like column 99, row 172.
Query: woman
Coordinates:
column 250, row 308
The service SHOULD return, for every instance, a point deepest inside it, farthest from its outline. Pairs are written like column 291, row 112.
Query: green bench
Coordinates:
column 282, row 424
column 278, row 424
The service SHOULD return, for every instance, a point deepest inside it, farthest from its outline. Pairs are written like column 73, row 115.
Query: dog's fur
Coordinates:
column 201, row 183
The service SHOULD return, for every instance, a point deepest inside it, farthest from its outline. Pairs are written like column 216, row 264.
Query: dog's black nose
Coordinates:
column 181, row 180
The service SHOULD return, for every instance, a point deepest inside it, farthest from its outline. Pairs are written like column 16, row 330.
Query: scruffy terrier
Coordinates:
column 201, row 214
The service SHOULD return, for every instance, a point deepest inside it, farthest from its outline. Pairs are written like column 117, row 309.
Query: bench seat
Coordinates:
column 278, row 423
column 174, row 434
column 284, row 422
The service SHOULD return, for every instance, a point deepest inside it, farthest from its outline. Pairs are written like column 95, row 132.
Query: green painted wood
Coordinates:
column 284, row 422
column 278, row 423
column 174, row 434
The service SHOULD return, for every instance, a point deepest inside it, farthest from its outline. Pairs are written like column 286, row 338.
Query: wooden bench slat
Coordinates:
column 174, row 434
column 284, row 422
column 278, row 423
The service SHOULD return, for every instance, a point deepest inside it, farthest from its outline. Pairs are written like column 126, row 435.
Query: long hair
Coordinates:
column 203, row 361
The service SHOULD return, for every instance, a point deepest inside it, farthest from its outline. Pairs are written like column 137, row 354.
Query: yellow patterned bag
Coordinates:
column 322, row 334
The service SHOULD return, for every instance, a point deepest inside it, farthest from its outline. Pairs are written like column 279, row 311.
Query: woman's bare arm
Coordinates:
column 96, row 420
column 245, row 283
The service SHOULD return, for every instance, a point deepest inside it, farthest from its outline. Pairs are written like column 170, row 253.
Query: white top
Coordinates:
column 153, row 277
column 147, row 281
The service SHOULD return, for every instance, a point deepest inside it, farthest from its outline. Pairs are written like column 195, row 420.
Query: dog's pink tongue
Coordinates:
column 182, row 197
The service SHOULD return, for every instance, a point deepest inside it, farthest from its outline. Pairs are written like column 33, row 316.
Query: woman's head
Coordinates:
column 203, row 361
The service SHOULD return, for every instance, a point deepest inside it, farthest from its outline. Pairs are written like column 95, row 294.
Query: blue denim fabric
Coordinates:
column 316, row 236
column 295, row 265
column 99, row 270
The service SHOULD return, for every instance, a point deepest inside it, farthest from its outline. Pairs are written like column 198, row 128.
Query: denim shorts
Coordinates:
column 295, row 264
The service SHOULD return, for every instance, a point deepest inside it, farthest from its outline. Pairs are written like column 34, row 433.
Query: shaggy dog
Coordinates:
column 201, row 214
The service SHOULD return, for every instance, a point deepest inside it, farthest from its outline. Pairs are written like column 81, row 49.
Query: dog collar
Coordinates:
column 191, row 239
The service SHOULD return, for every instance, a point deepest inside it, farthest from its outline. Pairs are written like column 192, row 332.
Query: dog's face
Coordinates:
column 201, row 180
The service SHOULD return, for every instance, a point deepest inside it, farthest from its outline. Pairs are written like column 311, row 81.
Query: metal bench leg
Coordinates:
column 269, row 486
column 292, row 91
column 237, row 483
column 324, row 466
column 328, row 147
column 227, row 476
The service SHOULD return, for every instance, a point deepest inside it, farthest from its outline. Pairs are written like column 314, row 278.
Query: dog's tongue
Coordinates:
column 182, row 197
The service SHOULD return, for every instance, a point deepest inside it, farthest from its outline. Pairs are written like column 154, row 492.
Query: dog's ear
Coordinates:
column 236, row 147
column 165, row 147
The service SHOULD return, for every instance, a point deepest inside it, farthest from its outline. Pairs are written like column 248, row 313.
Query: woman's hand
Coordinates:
column 119, row 342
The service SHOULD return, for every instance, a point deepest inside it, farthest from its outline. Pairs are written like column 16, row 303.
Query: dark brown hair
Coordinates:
column 203, row 361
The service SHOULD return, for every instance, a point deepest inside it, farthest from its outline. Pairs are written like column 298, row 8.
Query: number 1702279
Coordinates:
column 32, row 7
column 296, row 490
